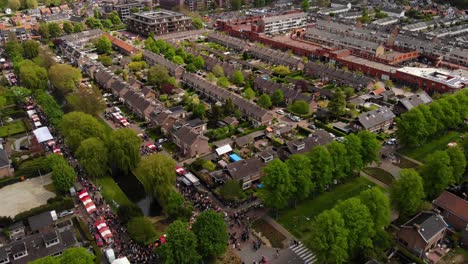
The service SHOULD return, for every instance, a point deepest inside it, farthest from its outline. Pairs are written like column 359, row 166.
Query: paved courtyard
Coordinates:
column 22, row 196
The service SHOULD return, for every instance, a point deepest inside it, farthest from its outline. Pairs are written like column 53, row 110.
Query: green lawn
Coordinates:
column 380, row 175
column 111, row 191
column 106, row 126
column 12, row 128
column 297, row 220
column 440, row 143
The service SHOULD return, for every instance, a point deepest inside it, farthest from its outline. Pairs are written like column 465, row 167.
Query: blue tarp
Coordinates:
column 235, row 157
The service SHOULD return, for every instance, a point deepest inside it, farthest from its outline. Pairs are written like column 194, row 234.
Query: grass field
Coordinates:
column 12, row 128
column 106, row 126
column 111, row 191
column 297, row 220
column 440, row 143
column 380, row 175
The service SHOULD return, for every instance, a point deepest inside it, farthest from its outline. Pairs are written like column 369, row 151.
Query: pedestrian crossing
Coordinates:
column 304, row 253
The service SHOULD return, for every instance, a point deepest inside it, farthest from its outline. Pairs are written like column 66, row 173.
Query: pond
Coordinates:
column 136, row 193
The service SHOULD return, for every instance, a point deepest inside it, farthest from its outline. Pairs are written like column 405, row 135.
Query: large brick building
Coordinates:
column 159, row 22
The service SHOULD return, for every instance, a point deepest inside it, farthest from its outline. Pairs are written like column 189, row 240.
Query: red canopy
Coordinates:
column 180, row 170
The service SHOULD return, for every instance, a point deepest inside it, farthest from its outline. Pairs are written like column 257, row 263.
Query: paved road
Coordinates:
column 303, row 253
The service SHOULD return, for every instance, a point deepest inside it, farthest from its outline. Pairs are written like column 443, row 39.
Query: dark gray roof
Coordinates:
column 415, row 100
column 18, row 247
column 16, row 226
column 319, row 138
column 429, row 224
column 49, row 236
column 375, row 117
column 4, row 161
column 39, row 221
column 195, row 122
column 249, row 138
column 245, row 168
column 338, row 75
column 187, row 136
column 3, row 253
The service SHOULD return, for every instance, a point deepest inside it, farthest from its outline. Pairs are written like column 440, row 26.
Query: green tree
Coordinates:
column 378, row 204
column 93, row 23
column 46, row 260
column 281, row 70
column 156, row 173
column 32, row 76
column 44, row 31
column 178, row 60
column 278, row 187
column 14, row 50
column 353, row 150
column 300, row 107
column 218, row 71
column 126, row 212
column 78, row 126
column 92, row 155
column 31, row 49
column 337, row 104
column 141, row 230
column 231, row 190
column 107, row 23
column 277, row 98
column 54, row 29
column 305, row 5
column 457, row 162
column 135, row 66
column 464, row 144
column 321, row 167
column 114, row 18
column 64, row 77
column 105, row 60
column 158, row 75
column 103, row 45
column 14, row 4
column 223, row 82
column 249, row 93
column 78, row 255
column 18, row 94
column 264, row 101
column 199, row 111
column 339, row 155
column 176, row 207
column 411, row 128
column 407, row 192
column 301, row 175
column 437, row 174
column 88, row 100
column 78, row 27
column 181, row 245
column 330, row 239
column 197, row 23
column 236, row 4
column 63, row 175
column 228, row 107
column 199, row 62
column 124, row 151
column 370, row 147
column 50, row 107
column 67, row 27
column 211, row 232
column 359, row 223
column 237, row 78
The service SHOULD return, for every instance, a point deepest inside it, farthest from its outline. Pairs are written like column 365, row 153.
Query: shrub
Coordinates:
column 141, row 230
column 58, row 206
column 128, row 211
column 31, row 168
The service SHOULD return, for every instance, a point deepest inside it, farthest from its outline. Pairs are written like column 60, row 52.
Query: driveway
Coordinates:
column 22, row 196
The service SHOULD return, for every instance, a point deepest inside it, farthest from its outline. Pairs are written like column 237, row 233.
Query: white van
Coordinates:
column 194, row 180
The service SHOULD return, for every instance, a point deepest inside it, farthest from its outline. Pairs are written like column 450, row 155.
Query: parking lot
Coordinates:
column 22, row 196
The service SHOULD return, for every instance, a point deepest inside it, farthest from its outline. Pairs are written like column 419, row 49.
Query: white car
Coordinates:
column 65, row 213
column 280, row 112
column 162, row 140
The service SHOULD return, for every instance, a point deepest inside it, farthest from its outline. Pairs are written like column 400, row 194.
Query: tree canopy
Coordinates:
column 437, row 174
column 124, row 153
column 103, row 45
column 299, row 107
column 378, row 204
column 181, row 245
column 321, row 167
column 407, row 192
column 88, row 100
column 64, row 77
column 32, row 76
column 50, row 107
column 158, row 75
column 237, row 78
column 156, row 173
column 92, row 155
column 141, row 230
column 211, row 232
column 30, row 49
column 277, row 182
column 277, row 98
column 63, row 175
column 78, row 126
column 264, row 101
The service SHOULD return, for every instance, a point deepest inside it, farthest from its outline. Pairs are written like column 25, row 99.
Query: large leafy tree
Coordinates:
column 301, row 175
column 181, row 245
column 407, row 192
column 175, row 206
column 92, row 155
column 67, row 27
column 78, row 126
column 321, row 167
column 124, row 150
column 237, row 78
column 330, row 239
column 77, row 255
column 411, row 128
column 339, row 155
column 457, row 162
column 370, row 147
column 30, row 49
column 50, row 106
column 33, row 76
column 277, row 98
column 63, row 175
column 378, row 204
column 211, row 232
column 64, row 77
column 337, row 104
column 353, row 150
column 156, row 173
column 278, row 187
column 264, row 101
column 359, row 223
column 437, row 173
column 158, row 75
column 141, row 230
column 54, row 29
column 103, row 45
column 464, row 145
column 88, row 100
column 300, row 107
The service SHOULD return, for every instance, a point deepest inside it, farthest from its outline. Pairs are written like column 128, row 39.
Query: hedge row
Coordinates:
column 55, row 204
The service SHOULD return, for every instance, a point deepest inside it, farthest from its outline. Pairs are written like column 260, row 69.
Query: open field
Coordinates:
column 439, row 143
column 12, row 128
column 111, row 191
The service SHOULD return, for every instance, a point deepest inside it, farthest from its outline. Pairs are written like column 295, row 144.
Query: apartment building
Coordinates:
column 124, row 9
column 194, row 5
column 283, row 23
column 159, row 22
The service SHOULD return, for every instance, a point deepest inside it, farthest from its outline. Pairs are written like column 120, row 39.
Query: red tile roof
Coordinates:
column 454, row 204
column 122, row 44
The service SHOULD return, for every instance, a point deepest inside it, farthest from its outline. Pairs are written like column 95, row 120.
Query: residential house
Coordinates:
column 42, row 221
column 16, row 231
column 454, row 210
column 137, row 102
column 249, row 138
column 422, row 233
column 5, row 168
column 121, row 45
column 338, row 76
column 228, row 41
column 191, row 143
column 119, row 87
column 246, row 171
column 375, row 120
column 174, row 69
column 319, row 137
column 408, row 103
column 269, row 87
column 163, row 119
column 196, row 125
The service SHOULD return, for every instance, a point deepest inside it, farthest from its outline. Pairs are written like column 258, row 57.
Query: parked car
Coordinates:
column 66, row 213
column 280, row 112
column 162, row 140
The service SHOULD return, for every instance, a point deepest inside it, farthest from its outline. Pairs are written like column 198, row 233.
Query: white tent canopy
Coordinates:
column 223, row 150
column 43, row 134
column 31, row 113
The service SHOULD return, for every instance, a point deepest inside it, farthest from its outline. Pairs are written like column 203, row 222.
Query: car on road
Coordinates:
column 66, row 213
column 294, row 118
column 280, row 112
column 162, row 140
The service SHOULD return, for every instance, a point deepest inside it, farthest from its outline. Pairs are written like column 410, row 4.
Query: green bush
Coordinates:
column 58, row 206
column 141, row 230
column 128, row 211
column 31, row 168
